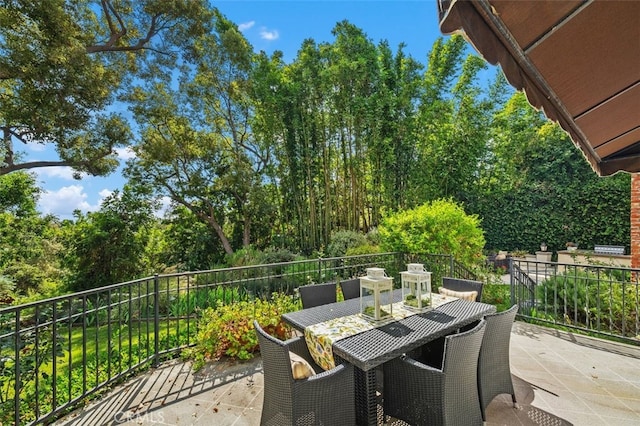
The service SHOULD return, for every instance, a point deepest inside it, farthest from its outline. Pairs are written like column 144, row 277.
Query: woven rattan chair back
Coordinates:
column 494, row 373
column 423, row 395
column 350, row 288
column 317, row 294
column 318, row 400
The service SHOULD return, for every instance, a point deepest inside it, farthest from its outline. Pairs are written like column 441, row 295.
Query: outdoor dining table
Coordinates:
column 372, row 348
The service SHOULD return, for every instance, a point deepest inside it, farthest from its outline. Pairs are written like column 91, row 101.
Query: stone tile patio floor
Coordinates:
column 560, row 379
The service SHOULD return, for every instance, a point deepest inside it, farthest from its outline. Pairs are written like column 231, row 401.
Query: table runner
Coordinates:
column 321, row 337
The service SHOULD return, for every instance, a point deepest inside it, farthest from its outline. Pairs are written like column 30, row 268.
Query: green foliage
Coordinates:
column 274, row 255
column 19, row 194
column 600, row 301
column 363, row 249
column 190, row 244
column 373, row 237
column 498, row 295
column 342, row 241
column 107, row 246
column 7, row 286
column 30, row 244
column 536, row 186
column 62, row 65
column 228, row 329
column 439, row 227
column 201, row 298
column 245, row 256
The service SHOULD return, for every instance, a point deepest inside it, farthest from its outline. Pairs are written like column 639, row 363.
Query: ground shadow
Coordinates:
column 171, row 383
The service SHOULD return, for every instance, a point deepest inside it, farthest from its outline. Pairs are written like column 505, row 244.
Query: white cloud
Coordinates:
column 269, row 35
column 246, row 25
column 65, row 200
column 104, row 194
column 36, row 147
column 60, row 172
column 125, row 153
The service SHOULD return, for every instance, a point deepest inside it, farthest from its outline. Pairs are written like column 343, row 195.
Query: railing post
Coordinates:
column 156, row 320
column 451, row 266
column 16, row 397
column 511, row 280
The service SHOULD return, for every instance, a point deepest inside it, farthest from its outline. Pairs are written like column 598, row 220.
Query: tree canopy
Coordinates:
column 63, row 64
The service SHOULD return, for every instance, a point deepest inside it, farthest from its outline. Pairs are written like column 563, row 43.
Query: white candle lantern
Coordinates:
column 376, row 294
column 416, row 287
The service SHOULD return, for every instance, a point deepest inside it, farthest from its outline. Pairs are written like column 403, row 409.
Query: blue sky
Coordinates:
column 269, row 26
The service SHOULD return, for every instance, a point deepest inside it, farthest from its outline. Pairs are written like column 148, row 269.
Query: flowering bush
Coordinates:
column 227, row 330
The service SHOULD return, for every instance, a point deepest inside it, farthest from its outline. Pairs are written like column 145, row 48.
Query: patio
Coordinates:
column 560, row 378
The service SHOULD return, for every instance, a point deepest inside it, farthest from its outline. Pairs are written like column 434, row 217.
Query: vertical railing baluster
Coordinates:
column 451, row 271
column 120, row 330
column 167, row 315
column 189, row 309
column 84, row 344
column 512, row 291
column 634, row 277
column 96, row 309
column 130, row 327
column 54, row 361
column 70, row 346
column 139, row 351
column 624, row 308
column 37, row 360
column 109, row 344
column 156, row 319
column 16, row 396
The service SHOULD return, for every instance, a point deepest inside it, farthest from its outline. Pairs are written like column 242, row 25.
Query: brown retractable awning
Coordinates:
column 577, row 60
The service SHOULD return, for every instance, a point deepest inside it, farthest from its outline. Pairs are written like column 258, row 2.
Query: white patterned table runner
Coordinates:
column 321, row 337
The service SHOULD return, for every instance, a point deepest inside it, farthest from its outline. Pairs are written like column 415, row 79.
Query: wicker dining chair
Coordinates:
column 326, row 398
column 494, row 373
column 421, row 394
column 317, row 294
column 350, row 288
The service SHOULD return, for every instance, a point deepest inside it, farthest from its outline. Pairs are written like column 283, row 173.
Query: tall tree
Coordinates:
column 108, row 246
column 30, row 245
column 63, row 63
column 453, row 122
column 196, row 144
column 354, row 75
column 341, row 117
column 392, row 149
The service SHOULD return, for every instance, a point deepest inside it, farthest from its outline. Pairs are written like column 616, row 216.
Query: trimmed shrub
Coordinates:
column 341, row 241
column 436, row 227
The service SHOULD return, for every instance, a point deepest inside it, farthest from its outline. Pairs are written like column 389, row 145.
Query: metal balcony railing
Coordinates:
column 598, row 299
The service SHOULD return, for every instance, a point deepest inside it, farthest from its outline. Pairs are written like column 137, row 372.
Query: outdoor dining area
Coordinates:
column 383, row 355
column 429, row 358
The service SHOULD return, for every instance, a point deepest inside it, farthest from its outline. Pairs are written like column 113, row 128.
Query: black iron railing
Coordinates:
column 603, row 300
column 56, row 353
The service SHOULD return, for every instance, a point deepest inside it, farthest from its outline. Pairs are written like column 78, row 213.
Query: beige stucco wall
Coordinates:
column 589, row 257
